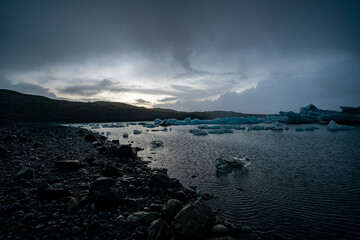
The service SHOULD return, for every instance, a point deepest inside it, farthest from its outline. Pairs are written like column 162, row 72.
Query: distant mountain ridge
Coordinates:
column 33, row 108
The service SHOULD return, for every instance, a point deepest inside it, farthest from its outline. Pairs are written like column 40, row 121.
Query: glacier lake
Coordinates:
column 298, row 185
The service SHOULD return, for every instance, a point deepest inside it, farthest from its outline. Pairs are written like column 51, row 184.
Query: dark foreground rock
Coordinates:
column 194, row 220
column 104, row 194
column 55, row 183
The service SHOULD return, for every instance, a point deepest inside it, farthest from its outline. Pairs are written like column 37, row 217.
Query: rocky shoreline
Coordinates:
column 64, row 183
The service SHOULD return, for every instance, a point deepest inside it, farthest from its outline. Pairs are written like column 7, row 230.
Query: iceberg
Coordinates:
column 308, row 114
column 209, row 127
column 276, row 126
column 198, row 132
column 158, row 121
column 224, row 165
column 350, row 110
column 257, row 128
column 341, row 118
column 333, row 126
column 297, row 118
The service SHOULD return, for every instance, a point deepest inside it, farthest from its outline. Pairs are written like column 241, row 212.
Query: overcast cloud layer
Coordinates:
column 248, row 56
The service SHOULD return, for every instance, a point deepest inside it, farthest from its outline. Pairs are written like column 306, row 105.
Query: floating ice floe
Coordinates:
column 221, row 131
column 224, row 165
column 125, row 135
column 113, row 125
column 156, row 144
column 198, row 132
column 137, row 131
column 333, row 126
column 309, row 129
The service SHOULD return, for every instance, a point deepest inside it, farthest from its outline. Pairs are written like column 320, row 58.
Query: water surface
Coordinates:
column 299, row 185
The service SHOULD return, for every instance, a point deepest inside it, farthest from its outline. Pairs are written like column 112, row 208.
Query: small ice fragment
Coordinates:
column 198, row 132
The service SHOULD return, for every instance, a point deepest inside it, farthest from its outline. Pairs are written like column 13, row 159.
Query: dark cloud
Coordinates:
column 40, row 32
column 182, row 88
column 142, row 101
column 168, row 99
column 328, row 88
column 27, row 88
column 201, row 49
column 89, row 89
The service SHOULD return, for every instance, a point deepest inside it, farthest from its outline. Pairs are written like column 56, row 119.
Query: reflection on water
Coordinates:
column 298, row 185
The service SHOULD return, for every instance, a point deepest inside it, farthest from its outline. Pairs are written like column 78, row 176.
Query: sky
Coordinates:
column 245, row 56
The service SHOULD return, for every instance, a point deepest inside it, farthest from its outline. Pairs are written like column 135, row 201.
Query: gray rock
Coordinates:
column 68, row 165
column 72, row 204
column 194, row 220
column 160, row 180
column 104, row 194
column 170, row 209
column 219, row 229
column 159, row 230
column 109, row 170
column 75, row 230
column 24, row 173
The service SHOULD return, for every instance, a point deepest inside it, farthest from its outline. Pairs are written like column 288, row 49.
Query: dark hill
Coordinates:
column 30, row 108
column 41, row 109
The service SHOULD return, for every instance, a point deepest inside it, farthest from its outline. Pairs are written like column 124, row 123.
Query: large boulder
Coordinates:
column 126, row 151
column 68, row 165
column 194, row 220
column 170, row 209
column 104, row 193
column 160, row 180
column 159, row 230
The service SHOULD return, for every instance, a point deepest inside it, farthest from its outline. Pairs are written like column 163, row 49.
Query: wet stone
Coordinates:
column 160, row 180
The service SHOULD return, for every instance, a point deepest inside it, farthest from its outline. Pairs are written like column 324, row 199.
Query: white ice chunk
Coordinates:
column 333, row 126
